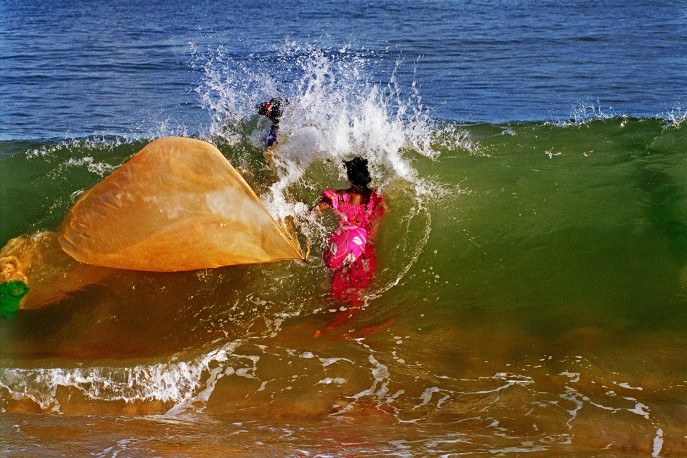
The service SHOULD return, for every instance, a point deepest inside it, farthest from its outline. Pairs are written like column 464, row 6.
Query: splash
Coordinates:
column 68, row 145
column 584, row 112
column 177, row 382
column 674, row 118
column 335, row 111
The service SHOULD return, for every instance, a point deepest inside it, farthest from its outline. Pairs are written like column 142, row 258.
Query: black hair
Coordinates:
column 357, row 171
column 272, row 109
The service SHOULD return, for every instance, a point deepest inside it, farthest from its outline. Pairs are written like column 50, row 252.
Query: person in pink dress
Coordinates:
column 350, row 250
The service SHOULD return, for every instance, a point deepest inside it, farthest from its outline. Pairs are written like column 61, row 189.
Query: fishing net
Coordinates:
column 37, row 265
column 176, row 205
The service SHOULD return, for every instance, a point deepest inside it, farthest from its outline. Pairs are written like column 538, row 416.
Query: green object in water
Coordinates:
column 11, row 294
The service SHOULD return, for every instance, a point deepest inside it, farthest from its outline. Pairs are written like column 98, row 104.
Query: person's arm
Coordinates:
column 322, row 204
column 329, row 199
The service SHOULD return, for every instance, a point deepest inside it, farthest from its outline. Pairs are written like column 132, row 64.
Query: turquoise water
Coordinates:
column 532, row 280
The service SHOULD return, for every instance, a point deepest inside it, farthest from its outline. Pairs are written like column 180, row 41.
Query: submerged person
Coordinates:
column 272, row 110
column 350, row 251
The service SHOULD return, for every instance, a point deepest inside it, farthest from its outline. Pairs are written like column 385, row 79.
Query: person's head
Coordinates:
column 357, row 172
column 271, row 109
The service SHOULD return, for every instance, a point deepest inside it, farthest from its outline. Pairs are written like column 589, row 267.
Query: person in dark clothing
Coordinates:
column 272, row 110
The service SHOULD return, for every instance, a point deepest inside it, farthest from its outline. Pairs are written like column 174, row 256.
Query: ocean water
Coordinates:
column 531, row 294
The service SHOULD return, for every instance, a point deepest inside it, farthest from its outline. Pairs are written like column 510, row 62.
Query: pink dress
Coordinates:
column 348, row 241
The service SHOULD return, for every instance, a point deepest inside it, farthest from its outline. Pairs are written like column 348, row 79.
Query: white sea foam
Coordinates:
column 330, row 381
column 179, row 382
column 334, row 112
column 162, row 382
column 658, row 443
column 640, row 409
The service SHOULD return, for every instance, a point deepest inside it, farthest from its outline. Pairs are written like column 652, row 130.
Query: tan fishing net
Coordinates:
column 39, row 261
column 176, row 205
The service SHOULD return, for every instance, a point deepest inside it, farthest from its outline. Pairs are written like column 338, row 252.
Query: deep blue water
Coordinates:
column 69, row 68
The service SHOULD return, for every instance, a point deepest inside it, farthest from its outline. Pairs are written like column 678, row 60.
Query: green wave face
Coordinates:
column 524, row 266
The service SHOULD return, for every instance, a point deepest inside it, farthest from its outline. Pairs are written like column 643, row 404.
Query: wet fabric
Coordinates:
column 349, row 240
column 348, row 282
column 175, row 205
column 50, row 275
